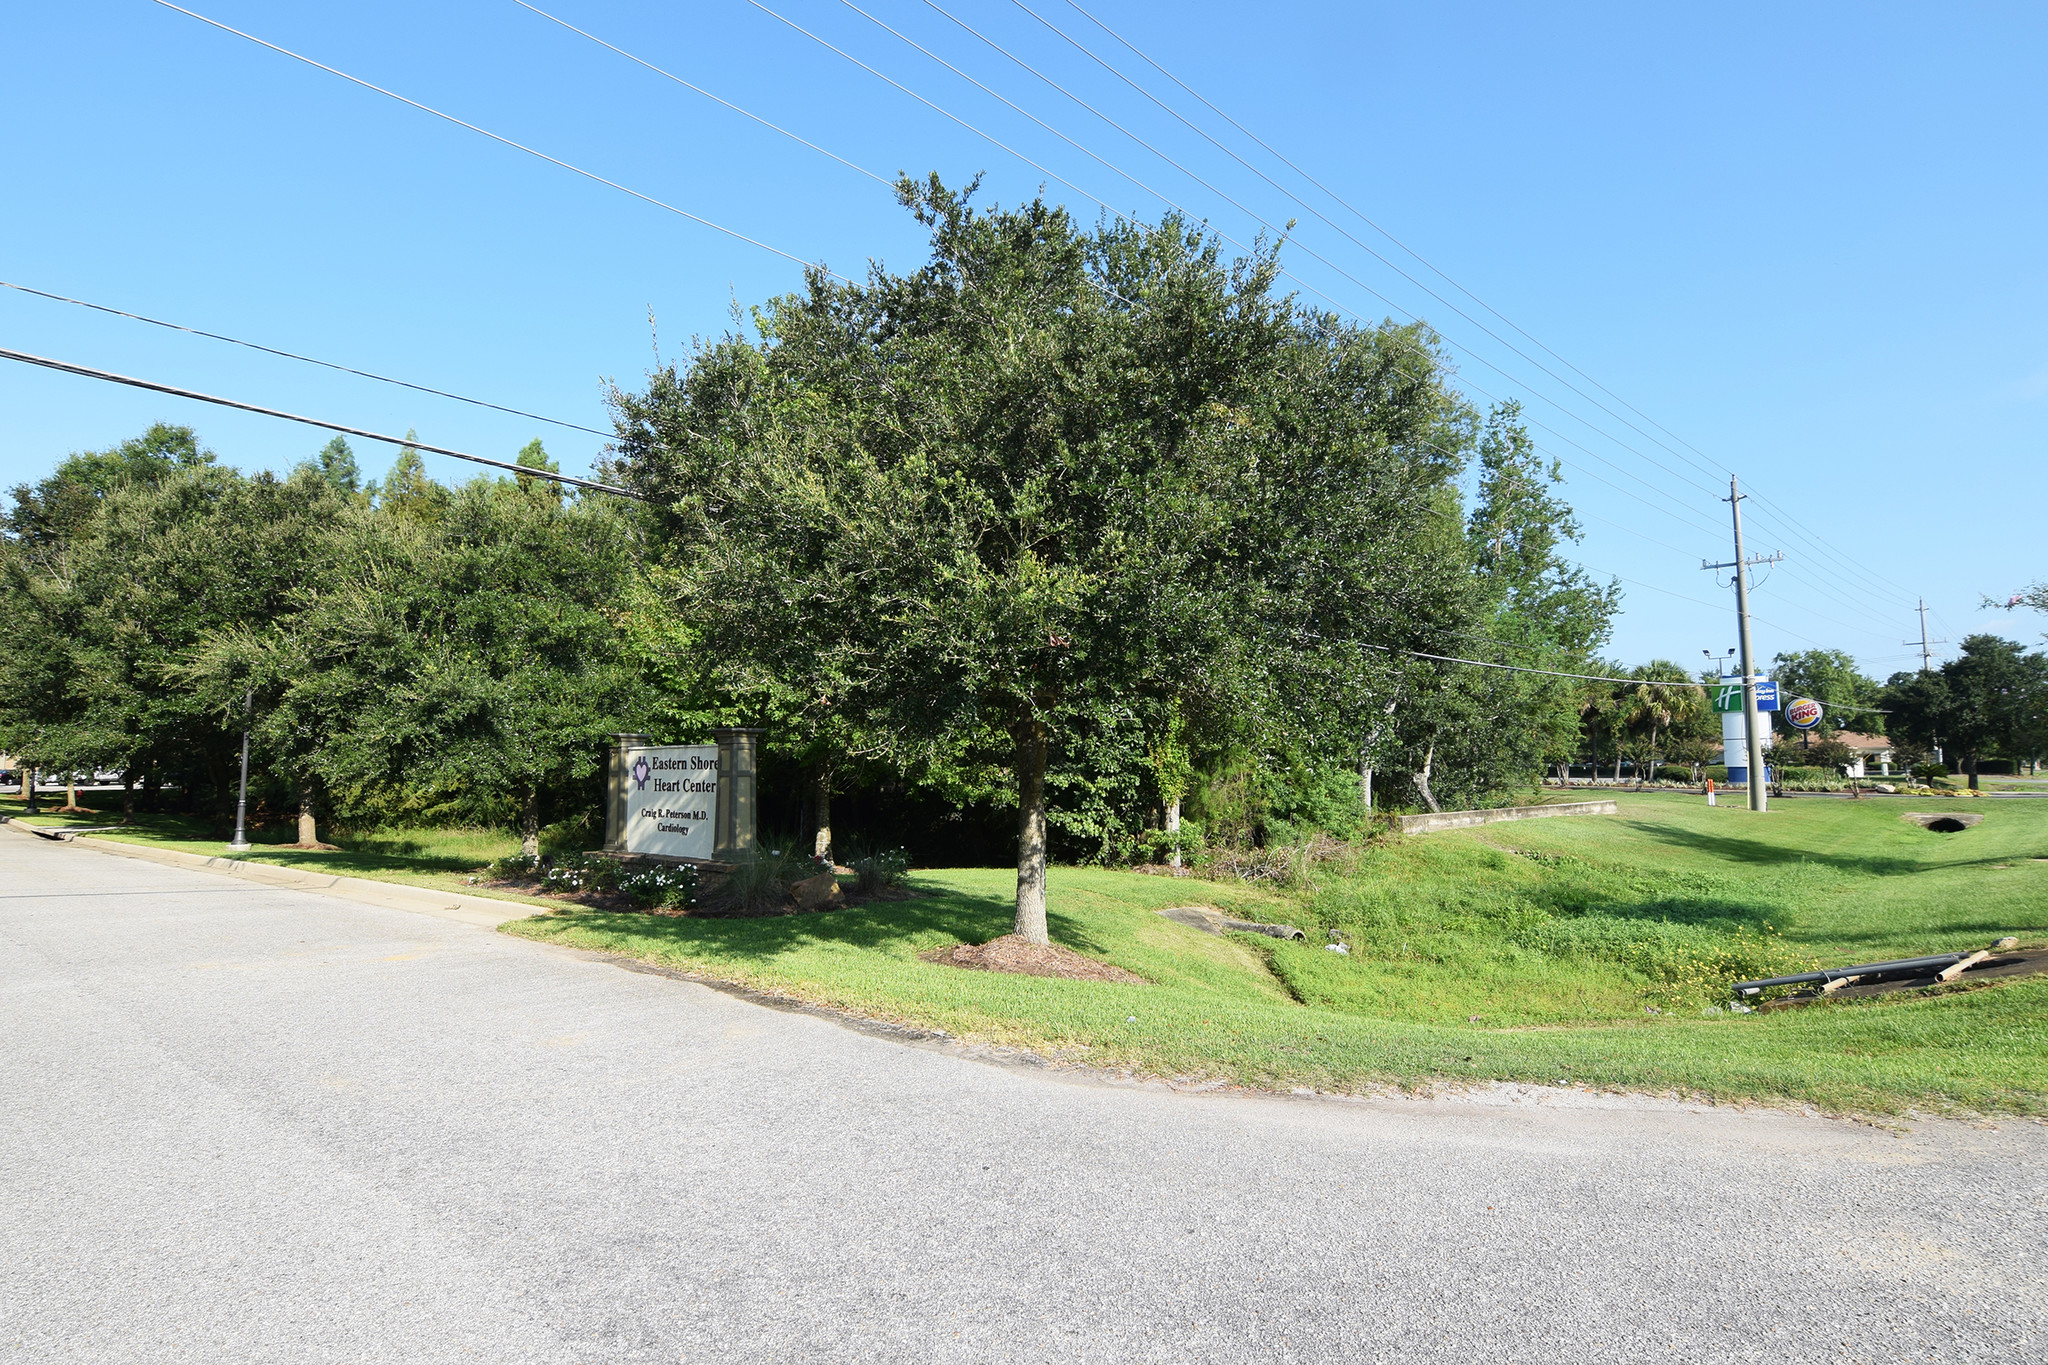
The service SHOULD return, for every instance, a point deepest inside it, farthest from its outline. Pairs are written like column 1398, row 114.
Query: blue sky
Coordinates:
column 1805, row 246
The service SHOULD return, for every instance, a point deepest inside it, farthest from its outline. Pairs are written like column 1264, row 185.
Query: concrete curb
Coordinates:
column 1466, row 819
column 487, row 912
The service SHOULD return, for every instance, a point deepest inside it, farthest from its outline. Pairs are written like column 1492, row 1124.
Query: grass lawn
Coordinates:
column 1533, row 951
column 440, row 858
column 1529, row 951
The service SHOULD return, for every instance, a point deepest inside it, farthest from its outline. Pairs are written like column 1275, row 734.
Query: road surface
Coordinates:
column 240, row 1123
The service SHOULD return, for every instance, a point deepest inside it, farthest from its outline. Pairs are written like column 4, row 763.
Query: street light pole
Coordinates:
column 241, row 839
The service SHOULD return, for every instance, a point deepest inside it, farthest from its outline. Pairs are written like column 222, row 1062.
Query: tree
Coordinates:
column 998, row 501
column 1998, row 699
column 65, row 506
column 1664, row 700
column 336, row 463
column 131, row 557
column 408, row 494
column 480, row 652
column 533, row 455
column 1991, row 698
column 1850, row 701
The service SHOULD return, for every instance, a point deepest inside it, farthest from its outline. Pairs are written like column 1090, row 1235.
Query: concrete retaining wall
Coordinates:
column 1465, row 819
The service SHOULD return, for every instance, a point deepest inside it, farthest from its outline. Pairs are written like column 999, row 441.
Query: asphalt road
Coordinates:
column 240, row 1123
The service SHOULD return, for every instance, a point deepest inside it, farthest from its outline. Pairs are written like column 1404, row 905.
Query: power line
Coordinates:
column 1042, row 170
column 719, row 99
column 292, row 355
column 931, row 4
column 524, row 471
column 1185, row 213
column 1233, row 155
column 1819, row 543
column 516, row 146
column 1269, row 226
column 1581, row 677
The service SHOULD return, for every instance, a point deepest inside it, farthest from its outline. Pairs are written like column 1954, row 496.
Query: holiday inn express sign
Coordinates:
column 1728, row 695
column 671, row 800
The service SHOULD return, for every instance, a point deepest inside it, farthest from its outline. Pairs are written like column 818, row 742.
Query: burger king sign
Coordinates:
column 1803, row 713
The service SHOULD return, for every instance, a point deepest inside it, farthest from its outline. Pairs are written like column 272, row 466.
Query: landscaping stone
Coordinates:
column 818, row 893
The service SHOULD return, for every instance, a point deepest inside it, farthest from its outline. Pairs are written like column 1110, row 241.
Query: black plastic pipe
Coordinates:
column 1909, row 966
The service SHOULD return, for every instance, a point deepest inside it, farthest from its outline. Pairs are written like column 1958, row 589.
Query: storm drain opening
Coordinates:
column 1941, row 822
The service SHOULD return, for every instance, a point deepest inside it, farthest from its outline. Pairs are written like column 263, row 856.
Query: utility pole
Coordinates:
column 1927, row 660
column 1759, row 798
column 1926, row 645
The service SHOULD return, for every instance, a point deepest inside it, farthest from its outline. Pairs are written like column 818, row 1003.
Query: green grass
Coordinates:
column 440, row 858
column 1555, row 934
column 1529, row 951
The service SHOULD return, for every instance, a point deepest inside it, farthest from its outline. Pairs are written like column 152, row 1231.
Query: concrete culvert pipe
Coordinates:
column 1941, row 821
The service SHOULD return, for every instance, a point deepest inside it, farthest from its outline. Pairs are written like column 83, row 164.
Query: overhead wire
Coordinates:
column 1376, row 227
column 1533, row 421
column 310, row 360
column 1352, row 238
column 1849, row 564
column 718, row 99
column 1170, row 202
column 1837, row 597
column 730, row 232
column 500, row 138
column 108, row 376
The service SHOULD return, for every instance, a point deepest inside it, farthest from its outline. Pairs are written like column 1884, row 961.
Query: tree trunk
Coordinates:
column 1973, row 772
column 71, row 789
column 1365, row 760
column 1030, row 738
column 1422, row 782
column 28, row 782
column 821, row 843
column 529, row 823
column 309, row 826
column 1173, row 832
column 128, row 796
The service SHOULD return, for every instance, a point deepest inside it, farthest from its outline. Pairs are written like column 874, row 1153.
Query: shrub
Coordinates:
column 668, row 885
column 760, row 882
column 1927, row 774
column 878, row 870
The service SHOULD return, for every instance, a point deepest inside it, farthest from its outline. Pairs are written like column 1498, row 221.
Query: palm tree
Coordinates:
column 1665, row 697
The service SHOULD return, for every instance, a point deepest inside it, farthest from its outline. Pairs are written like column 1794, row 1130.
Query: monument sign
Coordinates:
column 671, row 805
column 693, row 802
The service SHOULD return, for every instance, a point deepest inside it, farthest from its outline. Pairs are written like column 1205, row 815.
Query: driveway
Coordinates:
column 239, row 1123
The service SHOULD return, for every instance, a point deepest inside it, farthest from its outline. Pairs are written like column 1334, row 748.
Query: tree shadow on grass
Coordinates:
column 932, row 917
column 1756, row 853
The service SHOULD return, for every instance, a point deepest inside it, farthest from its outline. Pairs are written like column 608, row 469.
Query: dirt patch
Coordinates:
column 1013, row 954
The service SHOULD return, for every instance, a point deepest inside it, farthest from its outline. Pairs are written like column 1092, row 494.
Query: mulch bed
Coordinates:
column 1011, row 953
column 593, row 900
